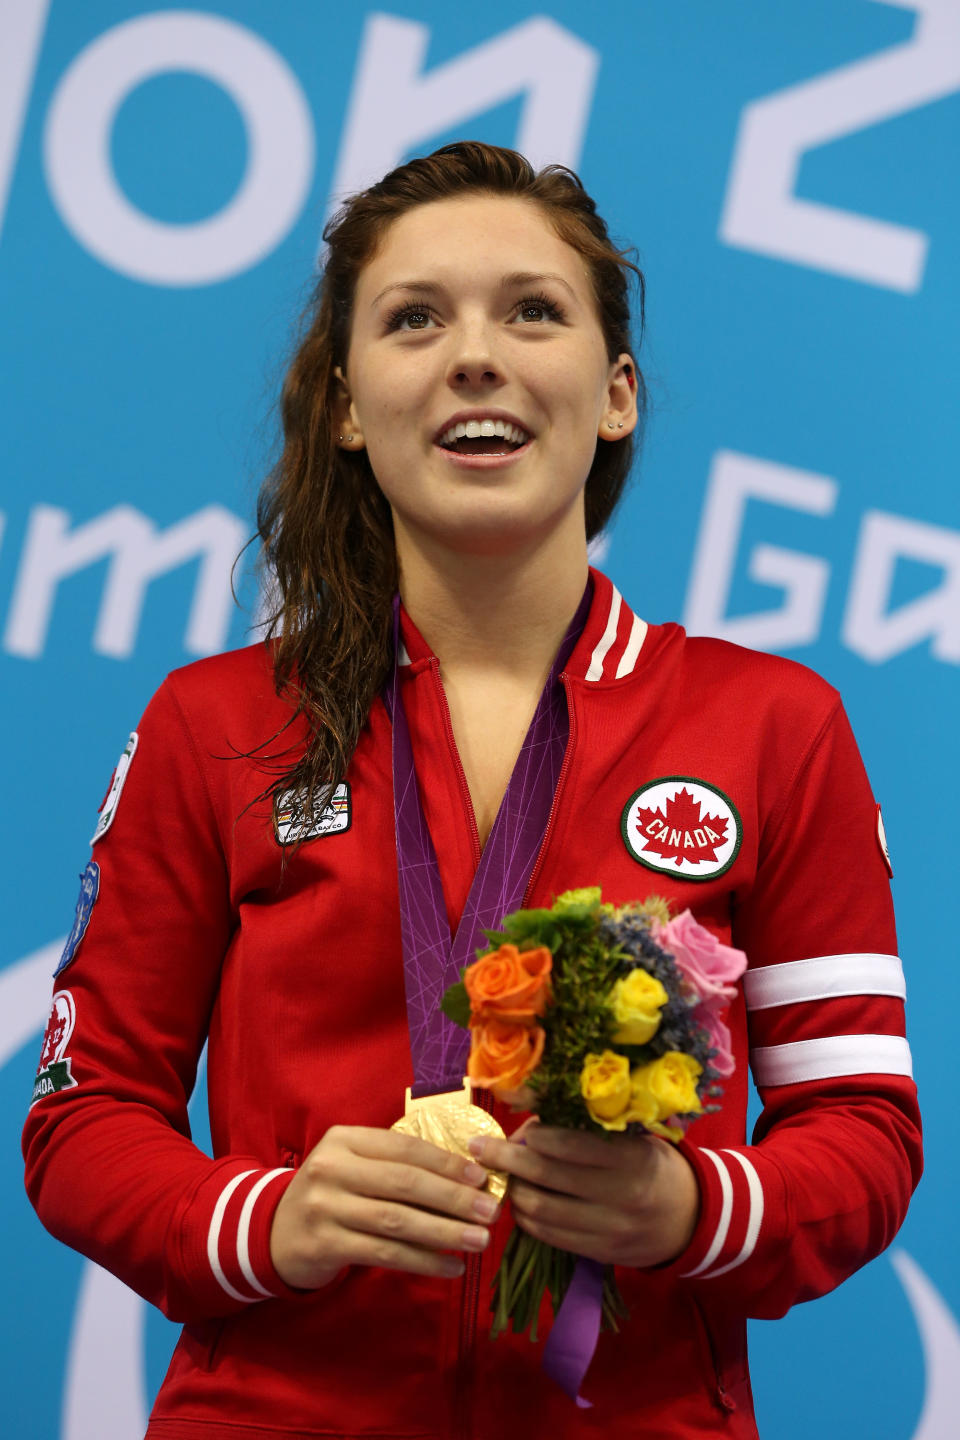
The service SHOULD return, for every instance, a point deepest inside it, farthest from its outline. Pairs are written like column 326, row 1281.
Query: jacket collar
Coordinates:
column 607, row 650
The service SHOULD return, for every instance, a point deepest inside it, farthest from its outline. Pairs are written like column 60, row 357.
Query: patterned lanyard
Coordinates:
column 431, row 959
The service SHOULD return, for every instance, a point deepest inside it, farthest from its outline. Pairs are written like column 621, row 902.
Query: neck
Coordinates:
column 494, row 614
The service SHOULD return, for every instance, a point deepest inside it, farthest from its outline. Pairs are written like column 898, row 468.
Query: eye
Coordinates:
column 534, row 309
column 413, row 310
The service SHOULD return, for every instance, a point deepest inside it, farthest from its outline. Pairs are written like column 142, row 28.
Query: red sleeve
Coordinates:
column 837, row 1150
column 110, row 1166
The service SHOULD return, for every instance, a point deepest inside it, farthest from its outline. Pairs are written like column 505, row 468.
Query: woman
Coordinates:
column 332, row 1274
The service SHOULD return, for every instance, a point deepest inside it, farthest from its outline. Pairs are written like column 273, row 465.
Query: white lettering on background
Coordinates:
column 876, row 632
column 762, row 213
column 734, row 480
column 21, row 34
column 280, row 148
column 138, row 553
column 395, row 107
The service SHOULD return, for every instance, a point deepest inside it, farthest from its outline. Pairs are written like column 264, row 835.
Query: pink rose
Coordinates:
column 708, row 966
column 707, row 1018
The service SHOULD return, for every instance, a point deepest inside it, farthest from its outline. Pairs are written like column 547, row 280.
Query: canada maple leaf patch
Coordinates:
column 681, row 831
column 683, row 827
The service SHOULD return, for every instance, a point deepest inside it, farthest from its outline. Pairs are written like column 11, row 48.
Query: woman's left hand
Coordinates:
column 629, row 1200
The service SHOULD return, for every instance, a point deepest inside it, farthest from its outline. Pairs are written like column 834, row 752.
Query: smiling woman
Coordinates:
column 455, row 716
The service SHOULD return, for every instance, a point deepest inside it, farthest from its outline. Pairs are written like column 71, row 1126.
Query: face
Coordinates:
column 473, row 308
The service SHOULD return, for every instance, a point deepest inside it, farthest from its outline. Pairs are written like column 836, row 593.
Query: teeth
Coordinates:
column 475, row 429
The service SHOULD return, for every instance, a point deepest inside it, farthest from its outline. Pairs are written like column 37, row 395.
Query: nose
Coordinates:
column 473, row 356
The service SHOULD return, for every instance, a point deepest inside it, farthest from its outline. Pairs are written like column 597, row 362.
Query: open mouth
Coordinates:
column 486, row 437
column 484, row 446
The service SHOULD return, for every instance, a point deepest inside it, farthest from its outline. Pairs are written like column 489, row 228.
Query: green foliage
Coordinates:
column 456, row 1005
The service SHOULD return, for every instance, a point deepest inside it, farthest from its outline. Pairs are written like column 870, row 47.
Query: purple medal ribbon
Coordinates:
column 432, row 961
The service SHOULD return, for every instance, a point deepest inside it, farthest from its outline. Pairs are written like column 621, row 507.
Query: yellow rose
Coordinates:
column 636, row 1002
column 605, row 1086
column 665, row 1087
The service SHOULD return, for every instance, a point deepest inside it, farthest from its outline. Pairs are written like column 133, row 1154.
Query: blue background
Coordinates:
column 117, row 390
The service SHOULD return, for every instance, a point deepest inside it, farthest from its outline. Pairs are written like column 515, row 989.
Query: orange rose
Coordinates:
column 508, row 984
column 503, row 1055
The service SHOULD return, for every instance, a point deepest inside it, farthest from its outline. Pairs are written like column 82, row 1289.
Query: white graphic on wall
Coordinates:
column 395, row 107
column 105, row 1387
column 138, row 552
column 23, row 25
column 873, row 630
column 762, row 212
column 735, row 479
column 870, row 627
column 280, row 148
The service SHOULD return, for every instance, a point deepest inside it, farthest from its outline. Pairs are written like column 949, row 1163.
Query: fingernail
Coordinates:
column 485, row 1206
column 452, row 1266
column 477, row 1146
column 475, row 1237
column 474, row 1174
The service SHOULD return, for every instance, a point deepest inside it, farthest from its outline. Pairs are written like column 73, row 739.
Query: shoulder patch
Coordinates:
column 89, row 890
column 291, row 822
column 682, row 827
column 53, row 1072
column 112, row 798
column 882, row 842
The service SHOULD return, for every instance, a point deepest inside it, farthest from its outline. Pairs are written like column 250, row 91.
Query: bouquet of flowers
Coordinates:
column 599, row 1018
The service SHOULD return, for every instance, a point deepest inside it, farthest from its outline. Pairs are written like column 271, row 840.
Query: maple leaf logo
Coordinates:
column 681, row 831
column 56, row 1026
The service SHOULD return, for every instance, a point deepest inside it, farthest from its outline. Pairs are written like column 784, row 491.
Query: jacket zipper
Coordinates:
column 469, row 1312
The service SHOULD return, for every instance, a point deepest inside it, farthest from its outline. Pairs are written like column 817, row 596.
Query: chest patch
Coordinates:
column 682, row 827
column 291, row 822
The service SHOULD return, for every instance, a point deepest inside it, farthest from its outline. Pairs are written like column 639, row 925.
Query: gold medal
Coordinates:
column 450, row 1120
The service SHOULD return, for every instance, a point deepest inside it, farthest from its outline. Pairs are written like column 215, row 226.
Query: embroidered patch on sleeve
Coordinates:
column 53, row 1072
column 89, row 890
column 882, row 841
column 682, row 827
column 112, row 798
column 292, row 823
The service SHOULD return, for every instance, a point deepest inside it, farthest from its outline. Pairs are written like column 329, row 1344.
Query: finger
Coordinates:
column 355, row 1175
column 385, row 1220
column 562, row 1175
column 568, row 1212
column 375, row 1250
column 378, row 1144
column 606, row 1152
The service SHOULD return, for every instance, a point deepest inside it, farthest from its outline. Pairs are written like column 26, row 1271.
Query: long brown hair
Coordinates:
column 325, row 526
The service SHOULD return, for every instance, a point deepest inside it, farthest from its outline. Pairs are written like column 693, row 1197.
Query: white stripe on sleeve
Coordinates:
column 726, row 1211
column 607, row 638
column 213, row 1236
column 822, row 978
column 243, row 1230
column 629, row 657
column 832, row 1056
column 754, row 1219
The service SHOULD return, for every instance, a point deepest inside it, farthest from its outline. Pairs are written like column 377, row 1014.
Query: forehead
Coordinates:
column 472, row 238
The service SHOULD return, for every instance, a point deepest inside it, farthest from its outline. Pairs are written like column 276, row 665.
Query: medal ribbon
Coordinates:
column 432, row 960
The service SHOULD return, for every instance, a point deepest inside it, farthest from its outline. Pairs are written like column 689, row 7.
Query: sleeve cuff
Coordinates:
column 225, row 1245
column 735, row 1210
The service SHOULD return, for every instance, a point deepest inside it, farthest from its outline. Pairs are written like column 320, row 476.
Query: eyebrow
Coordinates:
column 508, row 282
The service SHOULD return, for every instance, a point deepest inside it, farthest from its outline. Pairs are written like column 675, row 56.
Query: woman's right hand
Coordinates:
column 377, row 1197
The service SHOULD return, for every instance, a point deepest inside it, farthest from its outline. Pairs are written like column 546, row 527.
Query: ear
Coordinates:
column 349, row 431
column 619, row 416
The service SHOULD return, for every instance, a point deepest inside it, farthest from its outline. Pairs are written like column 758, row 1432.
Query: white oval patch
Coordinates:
column 683, row 827
column 109, row 807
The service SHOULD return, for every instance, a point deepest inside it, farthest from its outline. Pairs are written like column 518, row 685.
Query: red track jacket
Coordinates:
column 727, row 780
